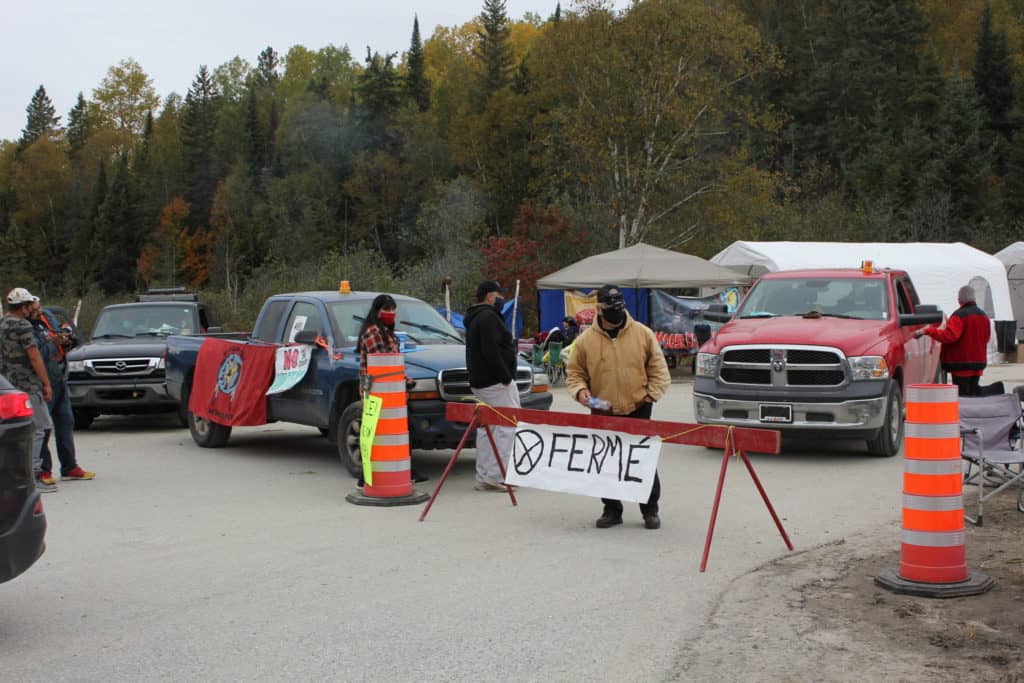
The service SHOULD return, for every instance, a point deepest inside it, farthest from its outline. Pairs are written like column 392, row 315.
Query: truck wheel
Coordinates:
column 348, row 438
column 183, row 406
column 207, row 434
column 84, row 418
column 887, row 442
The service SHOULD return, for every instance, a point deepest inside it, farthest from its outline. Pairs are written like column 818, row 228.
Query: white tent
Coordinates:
column 938, row 270
column 1013, row 259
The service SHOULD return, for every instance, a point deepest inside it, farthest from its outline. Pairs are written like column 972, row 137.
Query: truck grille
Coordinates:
column 122, row 367
column 783, row 366
column 454, row 383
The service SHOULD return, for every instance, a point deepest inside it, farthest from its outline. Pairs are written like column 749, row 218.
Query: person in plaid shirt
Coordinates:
column 377, row 335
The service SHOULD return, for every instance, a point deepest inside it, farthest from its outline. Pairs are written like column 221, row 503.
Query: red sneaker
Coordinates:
column 46, row 478
column 77, row 473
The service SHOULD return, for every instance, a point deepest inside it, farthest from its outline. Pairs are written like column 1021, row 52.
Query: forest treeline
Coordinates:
column 513, row 147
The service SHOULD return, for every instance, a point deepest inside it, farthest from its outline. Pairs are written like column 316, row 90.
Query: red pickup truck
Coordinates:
column 819, row 353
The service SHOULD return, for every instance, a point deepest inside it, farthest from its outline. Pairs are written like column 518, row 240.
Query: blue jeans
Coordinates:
column 63, row 429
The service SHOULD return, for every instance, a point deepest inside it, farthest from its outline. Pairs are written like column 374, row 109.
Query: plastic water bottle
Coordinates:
column 596, row 403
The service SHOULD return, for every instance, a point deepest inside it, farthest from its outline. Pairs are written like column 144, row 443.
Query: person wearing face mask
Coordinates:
column 491, row 361
column 377, row 335
column 619, row 360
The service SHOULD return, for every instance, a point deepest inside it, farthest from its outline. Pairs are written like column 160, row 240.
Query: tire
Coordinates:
column 207, row 434
column 84, row 418
column 887, row 442
column 182, row 411
column 347, row 432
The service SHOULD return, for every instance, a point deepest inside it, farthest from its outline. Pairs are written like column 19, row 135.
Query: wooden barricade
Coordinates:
column 735, row 441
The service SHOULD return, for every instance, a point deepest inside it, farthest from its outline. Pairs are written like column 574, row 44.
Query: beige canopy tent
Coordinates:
column 636, row 269
column 642, row 266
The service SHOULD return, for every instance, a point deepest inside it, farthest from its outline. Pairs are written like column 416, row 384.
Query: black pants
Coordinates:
column 651, row 506
column 967, row 386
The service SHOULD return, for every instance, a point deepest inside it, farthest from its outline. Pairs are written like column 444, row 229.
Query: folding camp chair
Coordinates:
column 538, row 356
column 986, row 424
column 555, row 366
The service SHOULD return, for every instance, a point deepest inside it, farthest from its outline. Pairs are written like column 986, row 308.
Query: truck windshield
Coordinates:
column 422, row 323
column 142, row 320
column 862, row 299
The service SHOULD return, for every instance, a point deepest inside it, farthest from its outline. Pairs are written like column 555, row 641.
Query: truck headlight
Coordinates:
column 157, row 363
column 76, row 366
column 707, row 364
column 540, row 382
column 868, row 367
column 424, row 389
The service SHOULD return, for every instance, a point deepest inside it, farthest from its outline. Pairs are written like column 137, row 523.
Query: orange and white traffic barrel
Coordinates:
column 933, row 549
column 389, row 456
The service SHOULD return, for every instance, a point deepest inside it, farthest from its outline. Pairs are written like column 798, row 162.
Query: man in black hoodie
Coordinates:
column 491, row 361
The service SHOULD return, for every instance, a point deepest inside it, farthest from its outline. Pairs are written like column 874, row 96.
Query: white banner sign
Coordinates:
column 290, row 365
column 590, row 462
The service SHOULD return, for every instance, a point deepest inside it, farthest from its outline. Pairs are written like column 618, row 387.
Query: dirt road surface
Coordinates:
column 181, row 563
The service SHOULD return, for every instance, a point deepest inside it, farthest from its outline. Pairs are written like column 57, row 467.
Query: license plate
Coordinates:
column 776, row 413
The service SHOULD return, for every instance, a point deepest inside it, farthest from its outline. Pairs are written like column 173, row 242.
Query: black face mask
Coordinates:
column 614, row 316
column 499, row 303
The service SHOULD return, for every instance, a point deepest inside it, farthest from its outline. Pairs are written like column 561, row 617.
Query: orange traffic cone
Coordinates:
column 389, row 456
column 933, row 552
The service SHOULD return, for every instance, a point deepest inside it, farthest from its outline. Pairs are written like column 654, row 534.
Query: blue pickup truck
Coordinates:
column 328, row 396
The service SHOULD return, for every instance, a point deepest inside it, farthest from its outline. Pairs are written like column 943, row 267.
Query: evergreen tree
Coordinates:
column 966, row 159
column 41, row 118
column 79, row 127
column 266, row 68
column 863, row 58
column 557, row 16
column 416, row 82
column 993, row 75
column 493, row 49
column 117, row 238
column 255, row 139
column 197, row 133
column 380, row 94
column 1013, row 182
column 929, row 90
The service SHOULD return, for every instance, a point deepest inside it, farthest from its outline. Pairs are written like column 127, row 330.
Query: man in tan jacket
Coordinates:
column 620, row 361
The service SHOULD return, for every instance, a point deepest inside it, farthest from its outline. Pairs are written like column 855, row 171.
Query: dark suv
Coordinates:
column 22, row 523
column 120, row 371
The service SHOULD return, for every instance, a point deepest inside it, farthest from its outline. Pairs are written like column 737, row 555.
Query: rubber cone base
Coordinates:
column 976, row 584
column 357, row 497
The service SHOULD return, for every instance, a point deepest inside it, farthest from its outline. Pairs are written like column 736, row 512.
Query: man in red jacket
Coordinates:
column 964, row 342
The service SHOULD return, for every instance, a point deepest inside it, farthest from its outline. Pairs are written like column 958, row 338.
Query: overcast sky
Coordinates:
column 68, row 45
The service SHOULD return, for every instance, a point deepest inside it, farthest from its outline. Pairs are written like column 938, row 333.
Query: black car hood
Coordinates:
column 118, row 347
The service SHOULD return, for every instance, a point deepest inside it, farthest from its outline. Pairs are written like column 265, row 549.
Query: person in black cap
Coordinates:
column 619, row 360
column 491, row 361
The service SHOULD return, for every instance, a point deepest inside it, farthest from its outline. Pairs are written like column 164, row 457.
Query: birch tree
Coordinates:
column 657, row 97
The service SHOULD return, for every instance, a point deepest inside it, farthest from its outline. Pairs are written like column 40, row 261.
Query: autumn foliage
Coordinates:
column 174, row 254
column 542, row 241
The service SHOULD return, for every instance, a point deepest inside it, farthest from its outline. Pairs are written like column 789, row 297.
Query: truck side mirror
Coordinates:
column 717, row 313
column 922, row 317
column 307, row 336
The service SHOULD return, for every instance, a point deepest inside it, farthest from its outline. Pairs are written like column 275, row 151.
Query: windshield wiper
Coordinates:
column 431, row 328
column 111, row 336
column 151, row 334
column 819, row 314
column 758, row 314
